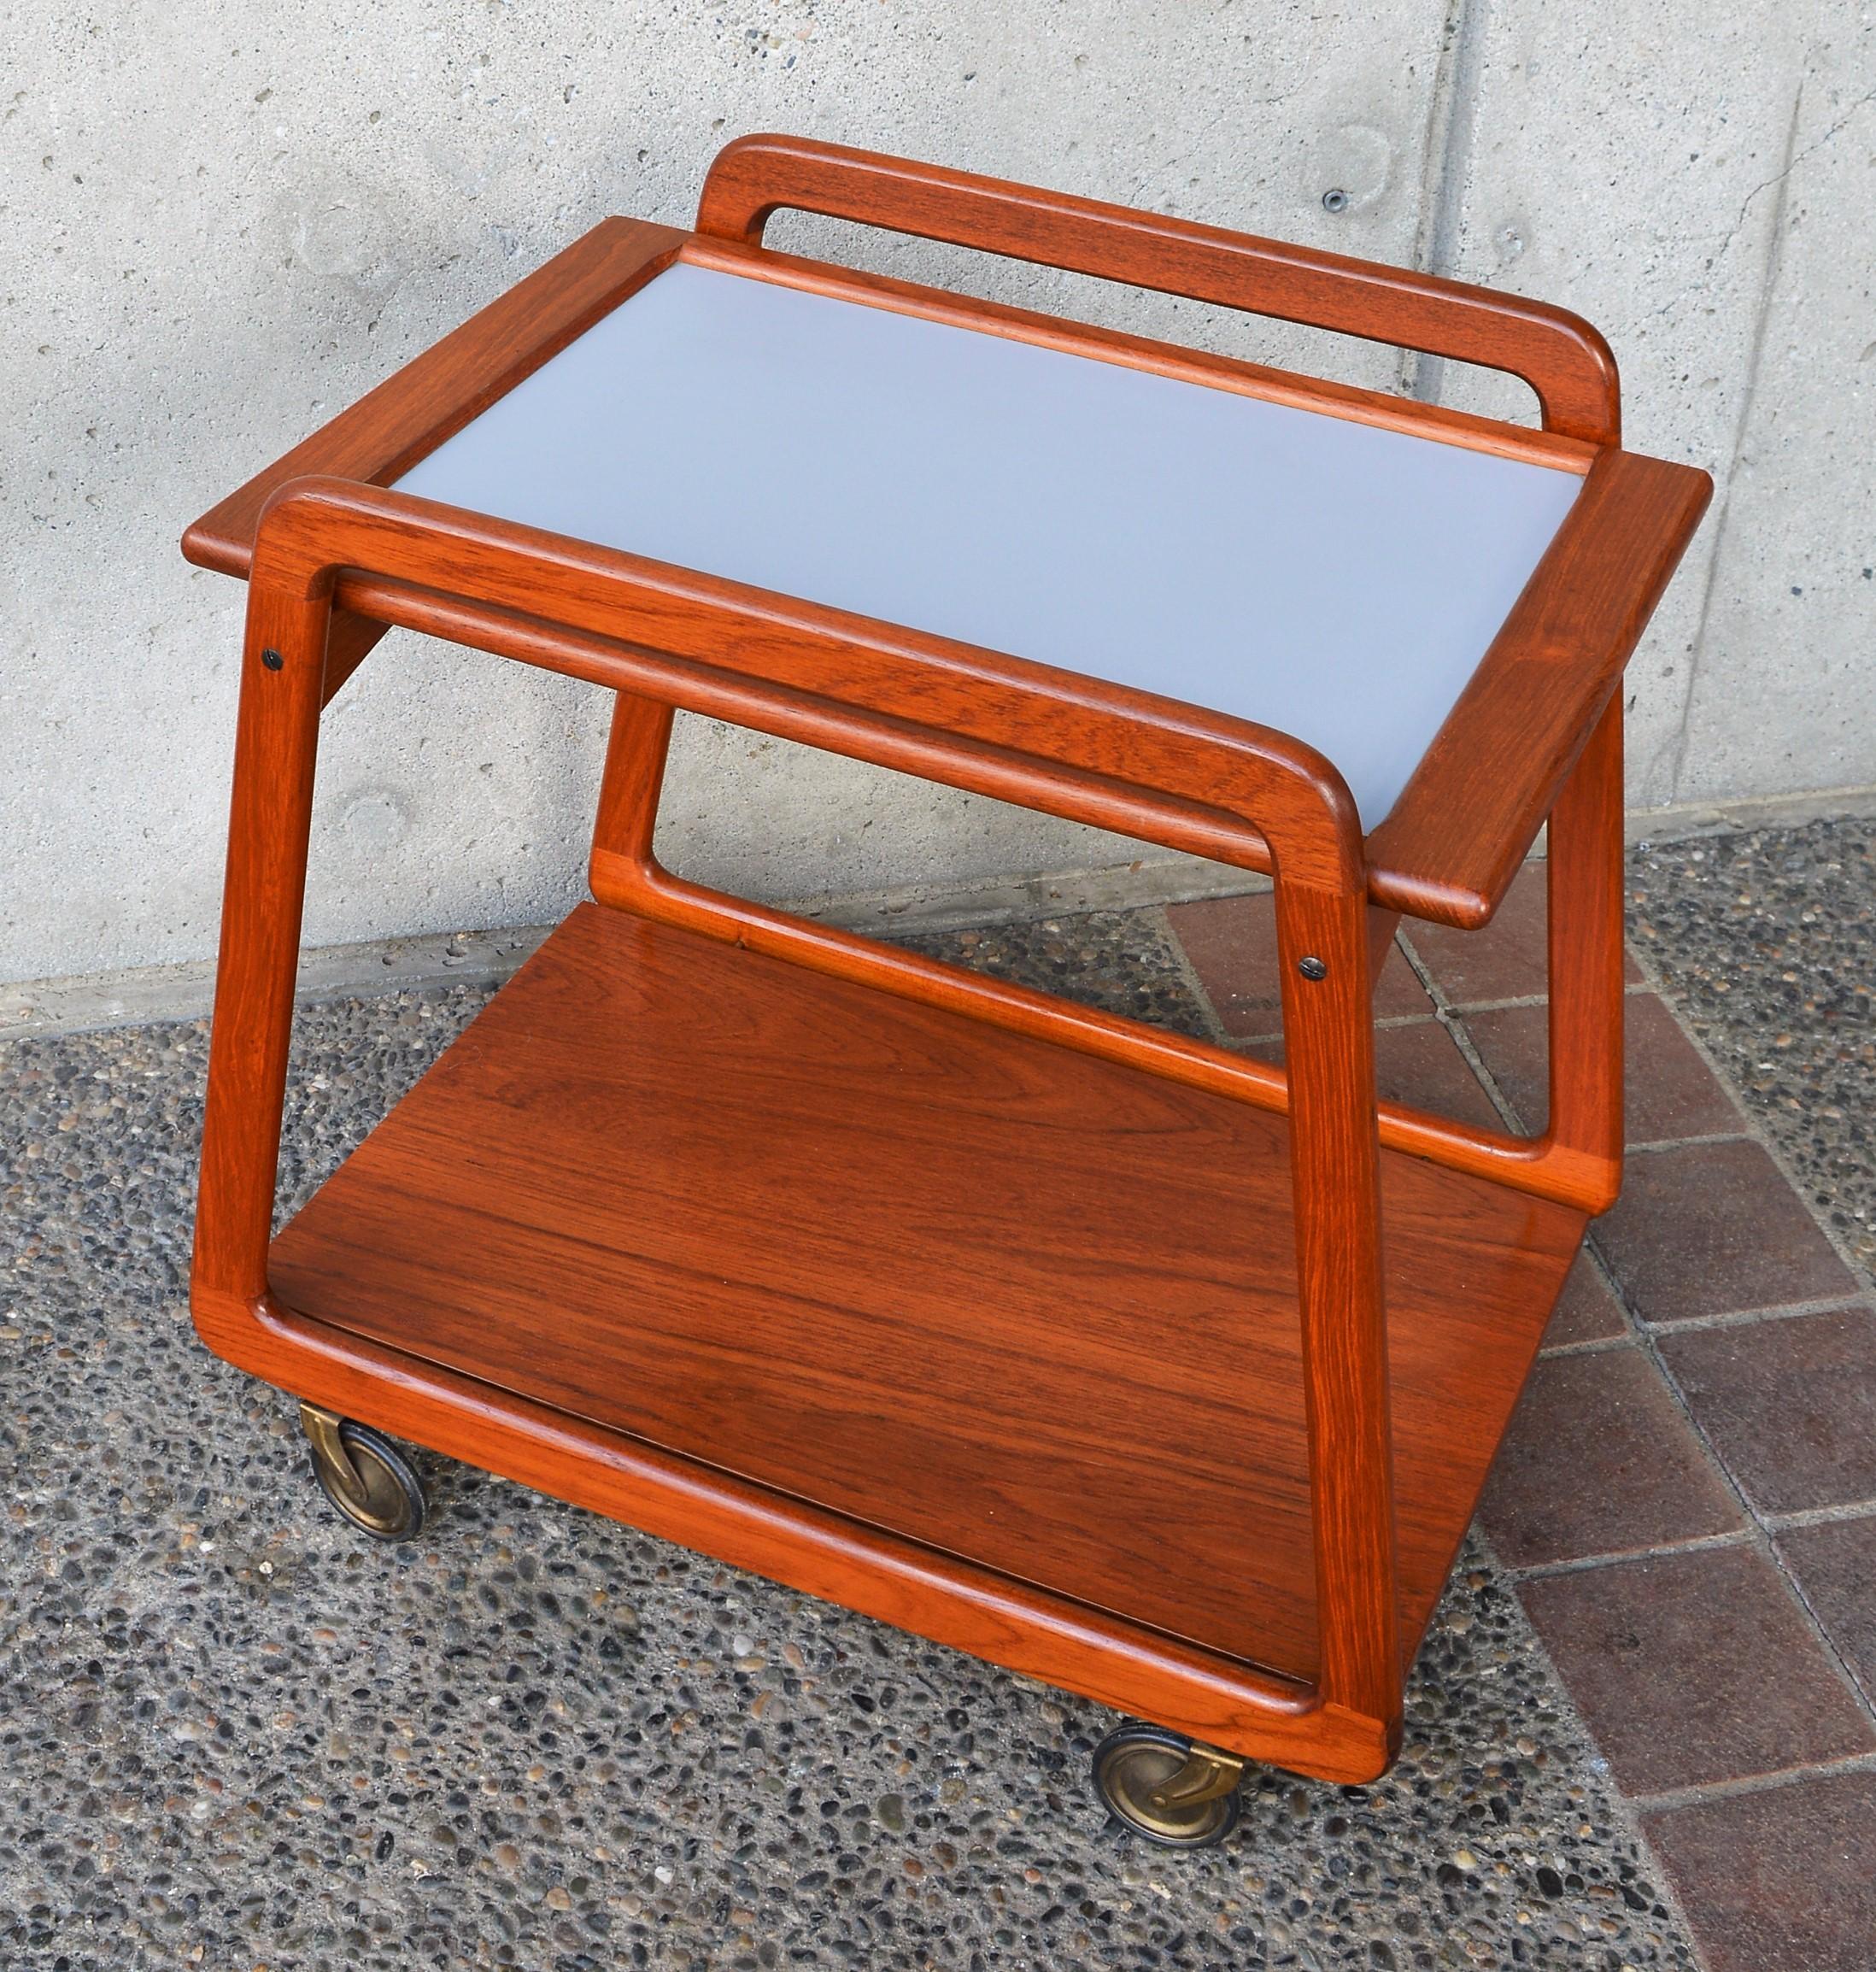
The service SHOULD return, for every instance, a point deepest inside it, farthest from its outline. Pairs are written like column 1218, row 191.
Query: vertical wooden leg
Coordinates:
column 1382, row 926
column 350, row 640
column 622, row 863
column 1324, row 950
column 269, row 824
column 1584, row 878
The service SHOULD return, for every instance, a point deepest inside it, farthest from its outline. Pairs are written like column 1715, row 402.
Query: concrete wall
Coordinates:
column 1702, row 184
column 218, row 223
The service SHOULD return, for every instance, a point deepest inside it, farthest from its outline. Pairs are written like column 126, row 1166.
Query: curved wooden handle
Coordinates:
column 1557, row 354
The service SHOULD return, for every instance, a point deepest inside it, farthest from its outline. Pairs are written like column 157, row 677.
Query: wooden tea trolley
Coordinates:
column 1124, row 1360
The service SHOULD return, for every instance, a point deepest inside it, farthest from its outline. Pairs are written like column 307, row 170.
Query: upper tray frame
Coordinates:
column 1450, row 848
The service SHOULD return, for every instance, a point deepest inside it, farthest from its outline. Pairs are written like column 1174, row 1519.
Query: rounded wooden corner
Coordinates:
column 230, row 1325
column 1565, row 359
column 623, row 882
column 1599, row 1182
column 731, row 204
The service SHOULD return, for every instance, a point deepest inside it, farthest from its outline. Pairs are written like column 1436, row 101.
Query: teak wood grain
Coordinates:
column 652, row 1183
column 735, row 1384
column 1459, row 830
column 948, row 1598
column 1565, row 360
column 1202, row 367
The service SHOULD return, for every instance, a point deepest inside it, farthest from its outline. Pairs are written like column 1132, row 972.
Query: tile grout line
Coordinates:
column 1701, row 1325
column 1242, row 1044
column 1621, row 1804
column 1596, row 1345
column 1681, row 1005
column 1605, row 1274
column 1632, row 989
column 1621, row 1557
column 1461, row 1039
column 1753, row 1318
column 1758, row 1536
column 1431, row 1018
column 1804, row 1516
column 1764, row 1542
column 1651, row 1146
column 1155, row 915
column 1754, row 1536
column 1636, row 1336
column 1701, row 1791
column 1676, row 1003
column 1384, row 1022
column 1746, row 1318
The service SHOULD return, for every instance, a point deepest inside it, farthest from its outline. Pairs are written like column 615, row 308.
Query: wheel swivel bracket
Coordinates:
column 322, row 1430
column 1208, row 1775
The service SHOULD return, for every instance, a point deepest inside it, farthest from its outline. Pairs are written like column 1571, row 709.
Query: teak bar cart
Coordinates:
column 1120, row 1359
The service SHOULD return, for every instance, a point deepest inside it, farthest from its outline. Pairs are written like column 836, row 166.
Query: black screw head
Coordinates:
column 1335, row 200
column 272, row 659
column 1312, row 968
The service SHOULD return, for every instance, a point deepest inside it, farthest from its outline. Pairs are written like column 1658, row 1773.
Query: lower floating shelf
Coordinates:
column 1011, row 1301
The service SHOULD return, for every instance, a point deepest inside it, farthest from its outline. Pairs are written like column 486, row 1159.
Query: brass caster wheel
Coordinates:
column 1169, row 1788
column 363, row 1474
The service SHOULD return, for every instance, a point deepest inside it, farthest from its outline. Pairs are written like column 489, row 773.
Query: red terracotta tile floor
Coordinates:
column 1686, row 1497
